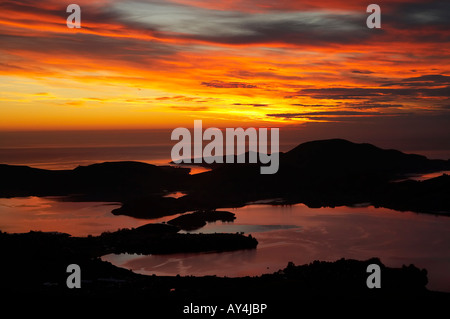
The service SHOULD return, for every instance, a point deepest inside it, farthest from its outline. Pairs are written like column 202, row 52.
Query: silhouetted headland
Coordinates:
column 199, row 219
column 37, row 264
column 319, row 173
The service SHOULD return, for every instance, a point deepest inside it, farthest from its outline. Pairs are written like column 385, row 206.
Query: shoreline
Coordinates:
column 50, row 253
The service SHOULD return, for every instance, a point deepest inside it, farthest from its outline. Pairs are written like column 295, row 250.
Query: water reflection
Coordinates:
column 325, row 234
column 175, row 195
column 48, row 214
column 429, row 175
column 285, row 233
column 422, row 177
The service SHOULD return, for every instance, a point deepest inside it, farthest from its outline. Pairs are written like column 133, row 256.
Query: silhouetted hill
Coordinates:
column 104, row 181
column 342, row 155
column 430, row 195
column 338, row 156
column 318, row 173
column 214, row 162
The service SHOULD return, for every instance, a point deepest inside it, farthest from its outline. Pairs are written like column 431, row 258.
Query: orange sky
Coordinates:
column 163, row 64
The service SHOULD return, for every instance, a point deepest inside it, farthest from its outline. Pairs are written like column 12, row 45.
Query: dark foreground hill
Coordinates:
column 37, row 262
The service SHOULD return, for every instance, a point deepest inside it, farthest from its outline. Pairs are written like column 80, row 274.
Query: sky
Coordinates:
column 310, row 65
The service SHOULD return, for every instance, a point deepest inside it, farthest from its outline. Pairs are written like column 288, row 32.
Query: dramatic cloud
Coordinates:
column 431, row 80
column 370, row 105
column 233, row 27
column 364, row 93
column 327, row 113
column 150, row 63
column 252, row 104
column 362, row 71
column 228, row 85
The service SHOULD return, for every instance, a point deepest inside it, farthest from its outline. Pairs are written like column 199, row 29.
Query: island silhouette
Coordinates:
column 321, row 173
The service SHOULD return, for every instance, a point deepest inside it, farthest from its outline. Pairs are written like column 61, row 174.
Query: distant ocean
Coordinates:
column 71, row 157
column 69, row 149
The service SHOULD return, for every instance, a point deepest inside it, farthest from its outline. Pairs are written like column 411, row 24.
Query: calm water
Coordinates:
column 301, row 235
column 285, row 233
column 18, row 215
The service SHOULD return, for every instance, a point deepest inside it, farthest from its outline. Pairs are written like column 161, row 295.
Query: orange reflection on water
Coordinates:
column 326, row 234
column 48, row 214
